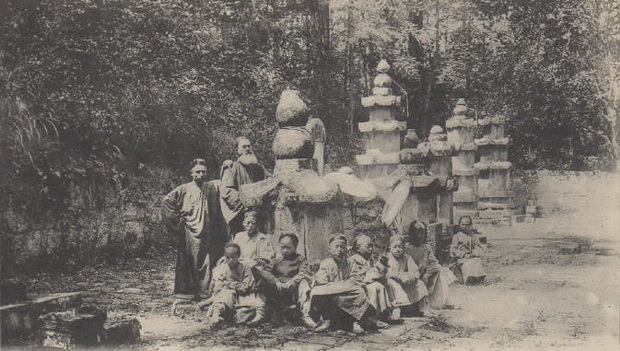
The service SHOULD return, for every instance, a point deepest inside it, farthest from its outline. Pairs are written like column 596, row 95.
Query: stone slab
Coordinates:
column 20, row 319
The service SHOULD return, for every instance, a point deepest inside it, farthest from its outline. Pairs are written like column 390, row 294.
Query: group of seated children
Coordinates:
column 356, row 292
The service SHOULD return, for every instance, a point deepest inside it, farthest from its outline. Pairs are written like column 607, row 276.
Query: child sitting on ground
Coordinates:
column 335, row 291
column 288, row 279
column 465, row 253
column 232, row 290
column 404, row 286
column 371, row 275
column 436, row 277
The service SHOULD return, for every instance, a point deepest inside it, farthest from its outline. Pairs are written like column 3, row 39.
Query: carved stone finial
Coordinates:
column 437, row 134
column 383, row 66
column 291, row 110
column 461, row 108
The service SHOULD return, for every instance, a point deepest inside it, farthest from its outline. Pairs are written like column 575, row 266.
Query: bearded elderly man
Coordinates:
column 245, row 170
column 193, row 217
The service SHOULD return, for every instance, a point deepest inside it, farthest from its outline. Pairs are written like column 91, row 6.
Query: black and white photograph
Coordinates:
column 320, row 175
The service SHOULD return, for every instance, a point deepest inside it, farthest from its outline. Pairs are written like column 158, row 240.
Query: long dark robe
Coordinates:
column 193, row 216
column 234, row 175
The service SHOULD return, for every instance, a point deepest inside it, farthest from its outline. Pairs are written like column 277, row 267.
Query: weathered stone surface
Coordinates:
column 291, row 110
column 293, row 143
column 411, row 156
column 121, row 331
column 71, row 328
column 20, row 319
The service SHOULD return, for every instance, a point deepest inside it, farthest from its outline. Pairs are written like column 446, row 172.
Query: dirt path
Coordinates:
column 535, row 298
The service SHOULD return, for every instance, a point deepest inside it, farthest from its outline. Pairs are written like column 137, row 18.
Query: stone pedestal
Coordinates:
column 382, row 132
column 461, row 129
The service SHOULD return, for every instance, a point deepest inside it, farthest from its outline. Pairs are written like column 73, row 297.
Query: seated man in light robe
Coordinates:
column 465, row 253
column 288, row 279
column 436, row 277
column 335, row 291
column 232, row 290
column 371, row 275
column 404, row 286
column 257, row 248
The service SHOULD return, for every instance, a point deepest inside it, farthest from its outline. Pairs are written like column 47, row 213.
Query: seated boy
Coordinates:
column 370, row 275
column 436, row 277
column 335, row 291
column 232, row 289
column 404, row 286
column 465, row 253
column 288, row 279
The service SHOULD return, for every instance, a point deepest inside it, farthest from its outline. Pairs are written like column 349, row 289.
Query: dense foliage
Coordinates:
column 100, row 90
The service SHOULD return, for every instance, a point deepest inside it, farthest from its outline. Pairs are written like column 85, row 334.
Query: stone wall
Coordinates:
column 98, row 221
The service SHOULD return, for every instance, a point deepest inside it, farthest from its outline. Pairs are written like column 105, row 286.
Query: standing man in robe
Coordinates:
column 245, row 170
column 192, row 216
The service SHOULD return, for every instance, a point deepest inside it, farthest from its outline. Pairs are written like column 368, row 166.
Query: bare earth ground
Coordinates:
column 534, row 299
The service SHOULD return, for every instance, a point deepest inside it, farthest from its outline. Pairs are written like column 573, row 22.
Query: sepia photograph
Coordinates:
column 317, row 175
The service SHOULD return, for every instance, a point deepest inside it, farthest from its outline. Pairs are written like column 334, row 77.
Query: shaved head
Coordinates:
column 362, row 240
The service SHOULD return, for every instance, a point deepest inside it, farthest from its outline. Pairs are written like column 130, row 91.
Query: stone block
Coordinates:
column 20, row 319
column 71, row 328
column 122, row 331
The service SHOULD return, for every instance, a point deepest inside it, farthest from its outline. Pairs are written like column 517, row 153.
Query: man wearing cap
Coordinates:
column 193, row 218
column 245, row 170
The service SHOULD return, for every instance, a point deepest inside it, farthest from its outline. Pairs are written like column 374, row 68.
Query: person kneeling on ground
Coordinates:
column 465, row 253
column 232, row 289
column 288, row 280
column 436, row 277
column 404, row 286
column 371, row 276
column 335, row 292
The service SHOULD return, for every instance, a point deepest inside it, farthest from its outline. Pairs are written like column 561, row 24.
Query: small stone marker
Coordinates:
column 122, row 330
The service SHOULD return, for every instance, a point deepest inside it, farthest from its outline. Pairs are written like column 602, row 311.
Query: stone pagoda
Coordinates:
column 461, row 130
column 494, row 189
column 421, row 186
column 300, row 200
column 382, row 132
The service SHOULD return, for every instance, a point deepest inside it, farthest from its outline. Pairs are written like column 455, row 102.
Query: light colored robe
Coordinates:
column 232, row 289
column 258, row 246
column 367, row 275
column 436, row 277
column 462, row 245
column 404, row 286
column 192, row 216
